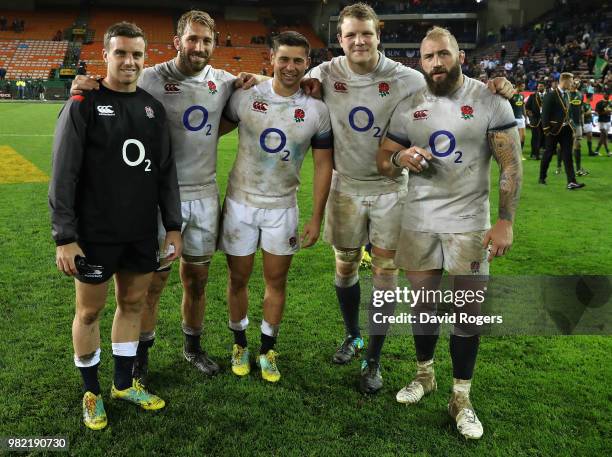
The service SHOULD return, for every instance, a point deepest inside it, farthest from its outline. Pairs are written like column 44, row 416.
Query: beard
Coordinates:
column 193, row 66
column 445, row 86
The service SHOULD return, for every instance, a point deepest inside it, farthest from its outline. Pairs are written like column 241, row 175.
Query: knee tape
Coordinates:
column 348, row 261
column 197, row 260
column 384, row 272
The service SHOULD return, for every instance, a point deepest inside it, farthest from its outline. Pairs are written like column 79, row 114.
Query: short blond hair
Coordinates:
column 197, row 16
column 436, row 33
column 361, row 11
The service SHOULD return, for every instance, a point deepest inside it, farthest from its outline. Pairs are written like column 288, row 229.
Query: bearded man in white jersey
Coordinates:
column 361, row 90
column 445, row 134
column 277, row 125
column 194, row 95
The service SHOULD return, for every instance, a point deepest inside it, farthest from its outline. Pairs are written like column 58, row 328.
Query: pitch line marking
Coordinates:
column 14, row 168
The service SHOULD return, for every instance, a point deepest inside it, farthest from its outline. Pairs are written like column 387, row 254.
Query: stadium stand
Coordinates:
column 567, row 39
column 39, row 24
column 31, row 58
column 158, row 25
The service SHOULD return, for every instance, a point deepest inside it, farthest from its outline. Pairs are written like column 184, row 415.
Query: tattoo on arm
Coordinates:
column 506, row 148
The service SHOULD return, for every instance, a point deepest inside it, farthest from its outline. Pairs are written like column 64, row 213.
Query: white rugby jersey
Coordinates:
column 194, row 105
column 274, row 134
column 452, row 195
column 360, row 107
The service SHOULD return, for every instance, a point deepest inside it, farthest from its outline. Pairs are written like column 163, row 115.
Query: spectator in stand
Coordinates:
column 502, row 52
column 3, row 22
column 2, row 73
column 228, row 40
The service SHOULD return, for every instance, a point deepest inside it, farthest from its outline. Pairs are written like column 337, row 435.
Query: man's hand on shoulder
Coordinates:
column 247, row 80
column 312, row 87
column 82, row 83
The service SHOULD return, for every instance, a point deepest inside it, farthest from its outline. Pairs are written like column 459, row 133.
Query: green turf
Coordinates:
column 536, row 396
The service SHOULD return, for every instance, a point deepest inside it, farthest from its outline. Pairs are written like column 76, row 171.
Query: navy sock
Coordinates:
column 463, row 352
column 425, row 346
column 240, row 338
column 123, row 371
column 349, row 298
column 267, row 343
column 192, row 343
column 90, row 378
column 143, row 349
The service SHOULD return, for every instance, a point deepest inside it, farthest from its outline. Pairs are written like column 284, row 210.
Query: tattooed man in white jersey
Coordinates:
column 445, row 134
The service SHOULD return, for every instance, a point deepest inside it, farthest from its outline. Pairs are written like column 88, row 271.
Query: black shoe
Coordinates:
column 542, row 181
column 349, row 349
column 371, row 381
column 140, row 370
column 202, row 362
column 575, row 185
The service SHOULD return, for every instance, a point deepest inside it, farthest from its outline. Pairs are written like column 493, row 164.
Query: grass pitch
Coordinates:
column 534, row 395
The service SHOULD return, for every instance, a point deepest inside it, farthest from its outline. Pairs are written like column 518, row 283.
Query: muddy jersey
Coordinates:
column 360, row 108
column 274, row 134
column 194, row 105
column 452, row 195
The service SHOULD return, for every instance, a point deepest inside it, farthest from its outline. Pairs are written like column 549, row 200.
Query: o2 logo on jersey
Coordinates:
column 357, row 117
column 445, row 137
column 281, row 139
column 196, row 126
column 141, row 154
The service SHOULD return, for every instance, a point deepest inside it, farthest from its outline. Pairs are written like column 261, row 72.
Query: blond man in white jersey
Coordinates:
column 277, row 124
column 361, row 90
column 194, row 95
column 445, row 134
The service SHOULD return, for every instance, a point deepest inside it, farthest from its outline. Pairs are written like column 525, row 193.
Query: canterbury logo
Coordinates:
column 421, row 114
column 172, row 87
column 340, row 87
column 105, row 110
column 262, row 107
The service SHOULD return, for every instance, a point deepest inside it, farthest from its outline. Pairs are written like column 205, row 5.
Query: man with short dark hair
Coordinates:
column 277, row 125
column 194, row 95
column 112, row 169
